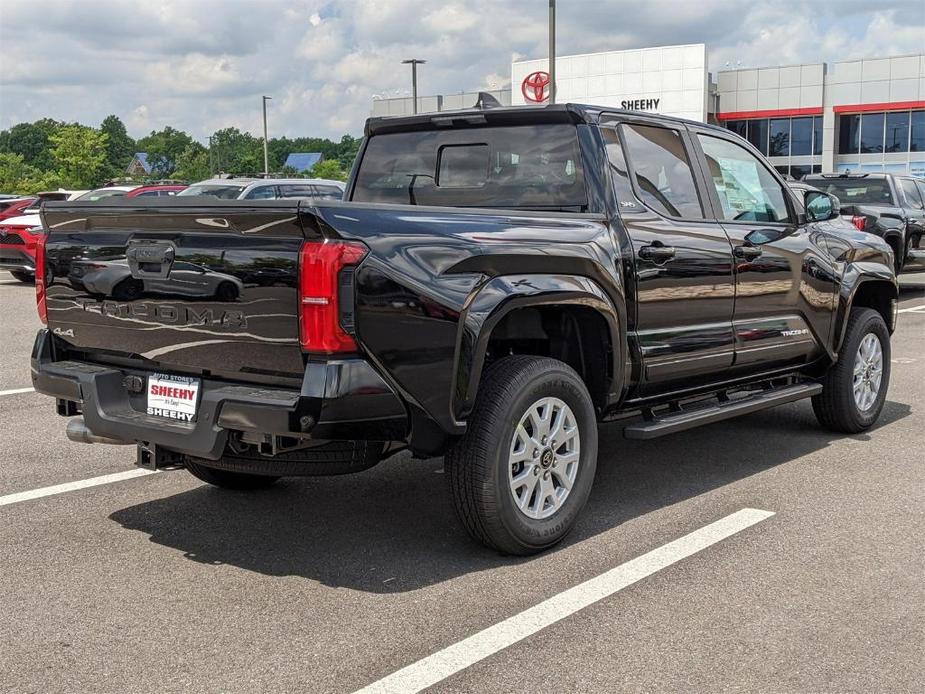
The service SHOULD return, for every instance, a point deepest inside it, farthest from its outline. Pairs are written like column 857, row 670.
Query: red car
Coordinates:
column 154, row 191
column 14, row 207
column 17, row 246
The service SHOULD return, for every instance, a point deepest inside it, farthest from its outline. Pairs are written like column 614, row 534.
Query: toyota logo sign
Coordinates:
column 535, row 86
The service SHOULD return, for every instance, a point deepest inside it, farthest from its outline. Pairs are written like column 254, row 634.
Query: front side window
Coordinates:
column 662, row 169
column 910, row 192
column 262, row 193
column 746, row 188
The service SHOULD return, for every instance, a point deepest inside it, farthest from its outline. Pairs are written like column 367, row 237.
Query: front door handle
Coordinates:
column 656, row 253
column 747, row 252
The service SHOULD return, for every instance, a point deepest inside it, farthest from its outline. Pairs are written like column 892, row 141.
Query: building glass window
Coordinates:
column 897, row 132
column 817, row 168
column 739, row 127
column 817, row 135
column 801, row 136
column 798, row 171
column 871, row 133
column 779, row 140
column 917, row 139
column 783, row 170
column 758, row 135
column 849, row 130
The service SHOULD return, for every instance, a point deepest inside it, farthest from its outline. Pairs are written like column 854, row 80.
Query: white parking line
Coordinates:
column 437, row 667
column 17, row 390
column 913, row 309
column 73, row 486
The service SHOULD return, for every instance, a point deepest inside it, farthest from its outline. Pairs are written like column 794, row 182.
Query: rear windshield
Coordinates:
column 223, row 192
column 849, row 191
column 534, row 167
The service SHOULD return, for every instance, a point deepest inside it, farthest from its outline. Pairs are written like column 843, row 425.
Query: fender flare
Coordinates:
column 856, row 275
column 501, row 295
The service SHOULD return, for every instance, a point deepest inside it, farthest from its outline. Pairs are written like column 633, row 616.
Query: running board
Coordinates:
column 680, row 421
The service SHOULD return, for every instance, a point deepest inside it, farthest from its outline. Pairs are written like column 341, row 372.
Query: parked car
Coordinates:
column 123, row 280
column 499, row 282
column 107, row 192
column 800, row 189
column 154, row 191
column 13, row 207
column 887, row 205
column 267, row 188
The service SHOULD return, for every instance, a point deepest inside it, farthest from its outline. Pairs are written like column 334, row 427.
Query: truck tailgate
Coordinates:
column 187, row 285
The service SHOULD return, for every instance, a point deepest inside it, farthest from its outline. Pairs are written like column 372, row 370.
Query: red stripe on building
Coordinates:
column 773, row 113
column 865, row 108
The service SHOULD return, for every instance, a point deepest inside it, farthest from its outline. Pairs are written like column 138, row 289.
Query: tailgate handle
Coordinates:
column 150, row 258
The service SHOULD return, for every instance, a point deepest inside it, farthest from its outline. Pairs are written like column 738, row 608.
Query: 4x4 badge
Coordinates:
column 64, row 333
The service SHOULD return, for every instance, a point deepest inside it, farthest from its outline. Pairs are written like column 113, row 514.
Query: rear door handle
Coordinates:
column 656, row 253
column 746, row 252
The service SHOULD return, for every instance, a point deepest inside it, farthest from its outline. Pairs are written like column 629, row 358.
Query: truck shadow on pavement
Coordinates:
column 392, row 529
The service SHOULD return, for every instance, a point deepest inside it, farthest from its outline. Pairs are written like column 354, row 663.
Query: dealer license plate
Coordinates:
column 173, row 397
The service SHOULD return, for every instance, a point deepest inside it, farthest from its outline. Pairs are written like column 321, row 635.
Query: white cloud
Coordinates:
column 203, row 65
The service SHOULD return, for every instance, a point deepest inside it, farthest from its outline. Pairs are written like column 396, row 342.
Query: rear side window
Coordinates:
column 662, row 170
column 296, row 191
column 523, row 166
column 329, row 192
column 262, row 193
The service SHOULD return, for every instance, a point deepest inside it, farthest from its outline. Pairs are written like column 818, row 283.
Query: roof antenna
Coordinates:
column 487, row 101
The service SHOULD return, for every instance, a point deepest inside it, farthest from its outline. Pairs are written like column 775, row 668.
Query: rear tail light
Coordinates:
column 326, row 296
column 41, row 299
column 859, row 221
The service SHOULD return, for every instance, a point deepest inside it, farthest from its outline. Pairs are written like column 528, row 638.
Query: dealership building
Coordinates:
column 860, row 115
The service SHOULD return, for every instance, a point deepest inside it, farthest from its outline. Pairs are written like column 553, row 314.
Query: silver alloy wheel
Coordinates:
column 544, row 456
column 868, row 372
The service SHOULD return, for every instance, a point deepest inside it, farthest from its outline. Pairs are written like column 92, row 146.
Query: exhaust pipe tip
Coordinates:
column 78, row 432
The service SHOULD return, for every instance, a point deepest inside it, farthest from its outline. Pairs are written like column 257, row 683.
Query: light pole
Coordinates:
column 414, row 62
column 266, row 157
column 552, row 51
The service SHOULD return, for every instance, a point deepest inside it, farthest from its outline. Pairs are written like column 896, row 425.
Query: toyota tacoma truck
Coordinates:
column 494, row 285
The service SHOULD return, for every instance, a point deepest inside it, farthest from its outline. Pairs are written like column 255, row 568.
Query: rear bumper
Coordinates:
column 344, row 399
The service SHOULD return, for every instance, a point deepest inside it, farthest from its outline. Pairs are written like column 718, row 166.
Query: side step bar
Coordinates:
column 680, row 421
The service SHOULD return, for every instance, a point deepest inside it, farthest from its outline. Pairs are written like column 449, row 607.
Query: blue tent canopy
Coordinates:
column 303, row 161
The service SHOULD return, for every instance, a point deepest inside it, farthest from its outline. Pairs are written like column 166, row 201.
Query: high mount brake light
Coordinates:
column 325, row 297
column 41, row 298
column 859, row 221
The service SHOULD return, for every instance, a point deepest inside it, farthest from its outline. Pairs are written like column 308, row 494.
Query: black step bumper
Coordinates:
column 343, row 399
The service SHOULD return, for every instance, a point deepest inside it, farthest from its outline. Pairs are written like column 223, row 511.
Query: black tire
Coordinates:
column 128, row 289
column 22, row 276
column 229, row 480
column 836, row 408
column 478, row 463
column 226, row 291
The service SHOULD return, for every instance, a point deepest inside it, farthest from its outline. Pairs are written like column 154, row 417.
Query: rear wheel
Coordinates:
column 854, row 389
column 128, row 289
column 523, row 471
column 229, row 480
column 23, row 276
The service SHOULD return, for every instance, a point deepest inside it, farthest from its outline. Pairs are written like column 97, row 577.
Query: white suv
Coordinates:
column 266, row 188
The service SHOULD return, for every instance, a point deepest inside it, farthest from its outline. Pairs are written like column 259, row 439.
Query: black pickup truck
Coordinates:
column 887, row 205
column 494, row 285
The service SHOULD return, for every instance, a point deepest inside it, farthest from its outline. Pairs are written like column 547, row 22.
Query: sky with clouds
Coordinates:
column 201, row 65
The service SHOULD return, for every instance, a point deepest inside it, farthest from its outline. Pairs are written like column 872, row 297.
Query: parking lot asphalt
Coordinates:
column 160, row 583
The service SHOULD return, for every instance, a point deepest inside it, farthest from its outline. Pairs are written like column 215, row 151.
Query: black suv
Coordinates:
column 888, row 205
column 494, row 284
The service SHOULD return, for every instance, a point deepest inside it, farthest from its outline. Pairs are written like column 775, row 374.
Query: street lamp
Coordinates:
column 414, row 62
column 266, row 157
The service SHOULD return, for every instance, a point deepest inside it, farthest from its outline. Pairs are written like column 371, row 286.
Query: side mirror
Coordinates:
column 820, row 207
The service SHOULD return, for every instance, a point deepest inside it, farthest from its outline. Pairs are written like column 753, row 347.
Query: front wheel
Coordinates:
column 854, row 389
column 523, row 471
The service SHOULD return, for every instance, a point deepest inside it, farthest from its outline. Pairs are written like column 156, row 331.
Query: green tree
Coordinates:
column 347, row 150
column 80, row 155
column 120, row 148
column 30, row 140
column 18, row 177
column 329, row 168
column 163, row 148
column 236, row 152
column 193, row 164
